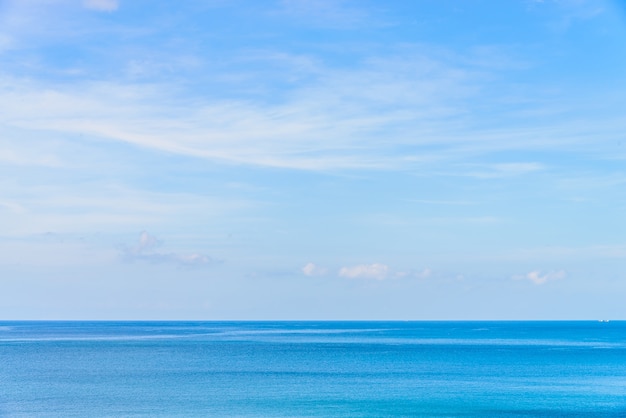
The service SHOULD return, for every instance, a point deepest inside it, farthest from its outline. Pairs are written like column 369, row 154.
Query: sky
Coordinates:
column 312, row 159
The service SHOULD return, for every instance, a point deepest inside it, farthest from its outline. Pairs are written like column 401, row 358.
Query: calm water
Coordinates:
column 90, row 369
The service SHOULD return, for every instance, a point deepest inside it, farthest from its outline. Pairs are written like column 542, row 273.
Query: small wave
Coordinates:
column 103, row 338
column 301, row 331
column 475, row 342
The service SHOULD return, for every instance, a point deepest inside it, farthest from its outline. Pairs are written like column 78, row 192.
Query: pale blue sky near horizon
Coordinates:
column 312, row 159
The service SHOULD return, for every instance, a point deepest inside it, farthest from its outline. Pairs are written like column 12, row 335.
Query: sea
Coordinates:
column 313, row 369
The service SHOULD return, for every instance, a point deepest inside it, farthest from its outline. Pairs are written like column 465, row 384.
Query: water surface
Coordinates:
column 359, row 369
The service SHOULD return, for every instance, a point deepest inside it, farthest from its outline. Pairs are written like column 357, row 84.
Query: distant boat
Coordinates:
column 603, row 320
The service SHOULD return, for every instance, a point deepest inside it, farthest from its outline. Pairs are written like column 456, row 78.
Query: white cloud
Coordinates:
column 101, row 5
column 145, row 246
column 311, row 269
column 365, row 271
column 146, row 242
column 539, row 278
column 144, row 250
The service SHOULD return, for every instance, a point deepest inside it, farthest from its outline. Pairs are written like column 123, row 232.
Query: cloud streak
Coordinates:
column 101, row 5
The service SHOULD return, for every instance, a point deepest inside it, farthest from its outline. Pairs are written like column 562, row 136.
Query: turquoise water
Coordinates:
column 309, row 369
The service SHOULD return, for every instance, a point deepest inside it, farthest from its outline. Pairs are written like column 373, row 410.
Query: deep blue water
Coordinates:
column 151, row 369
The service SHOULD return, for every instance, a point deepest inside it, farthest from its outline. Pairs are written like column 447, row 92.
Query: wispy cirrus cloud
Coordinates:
column 102, row 5
column 500, row 170
column 6, row 42
column 405, row 106
column 332, row 126
column 337, row 14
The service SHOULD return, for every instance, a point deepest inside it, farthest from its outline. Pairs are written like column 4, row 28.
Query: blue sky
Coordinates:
column 312, row 159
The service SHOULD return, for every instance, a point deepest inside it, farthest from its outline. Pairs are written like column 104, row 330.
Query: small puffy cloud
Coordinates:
column 101, row 5
column 311, row 269
column 145, row 250
column 539, row 278
column 365, row 271
column 146, row 242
